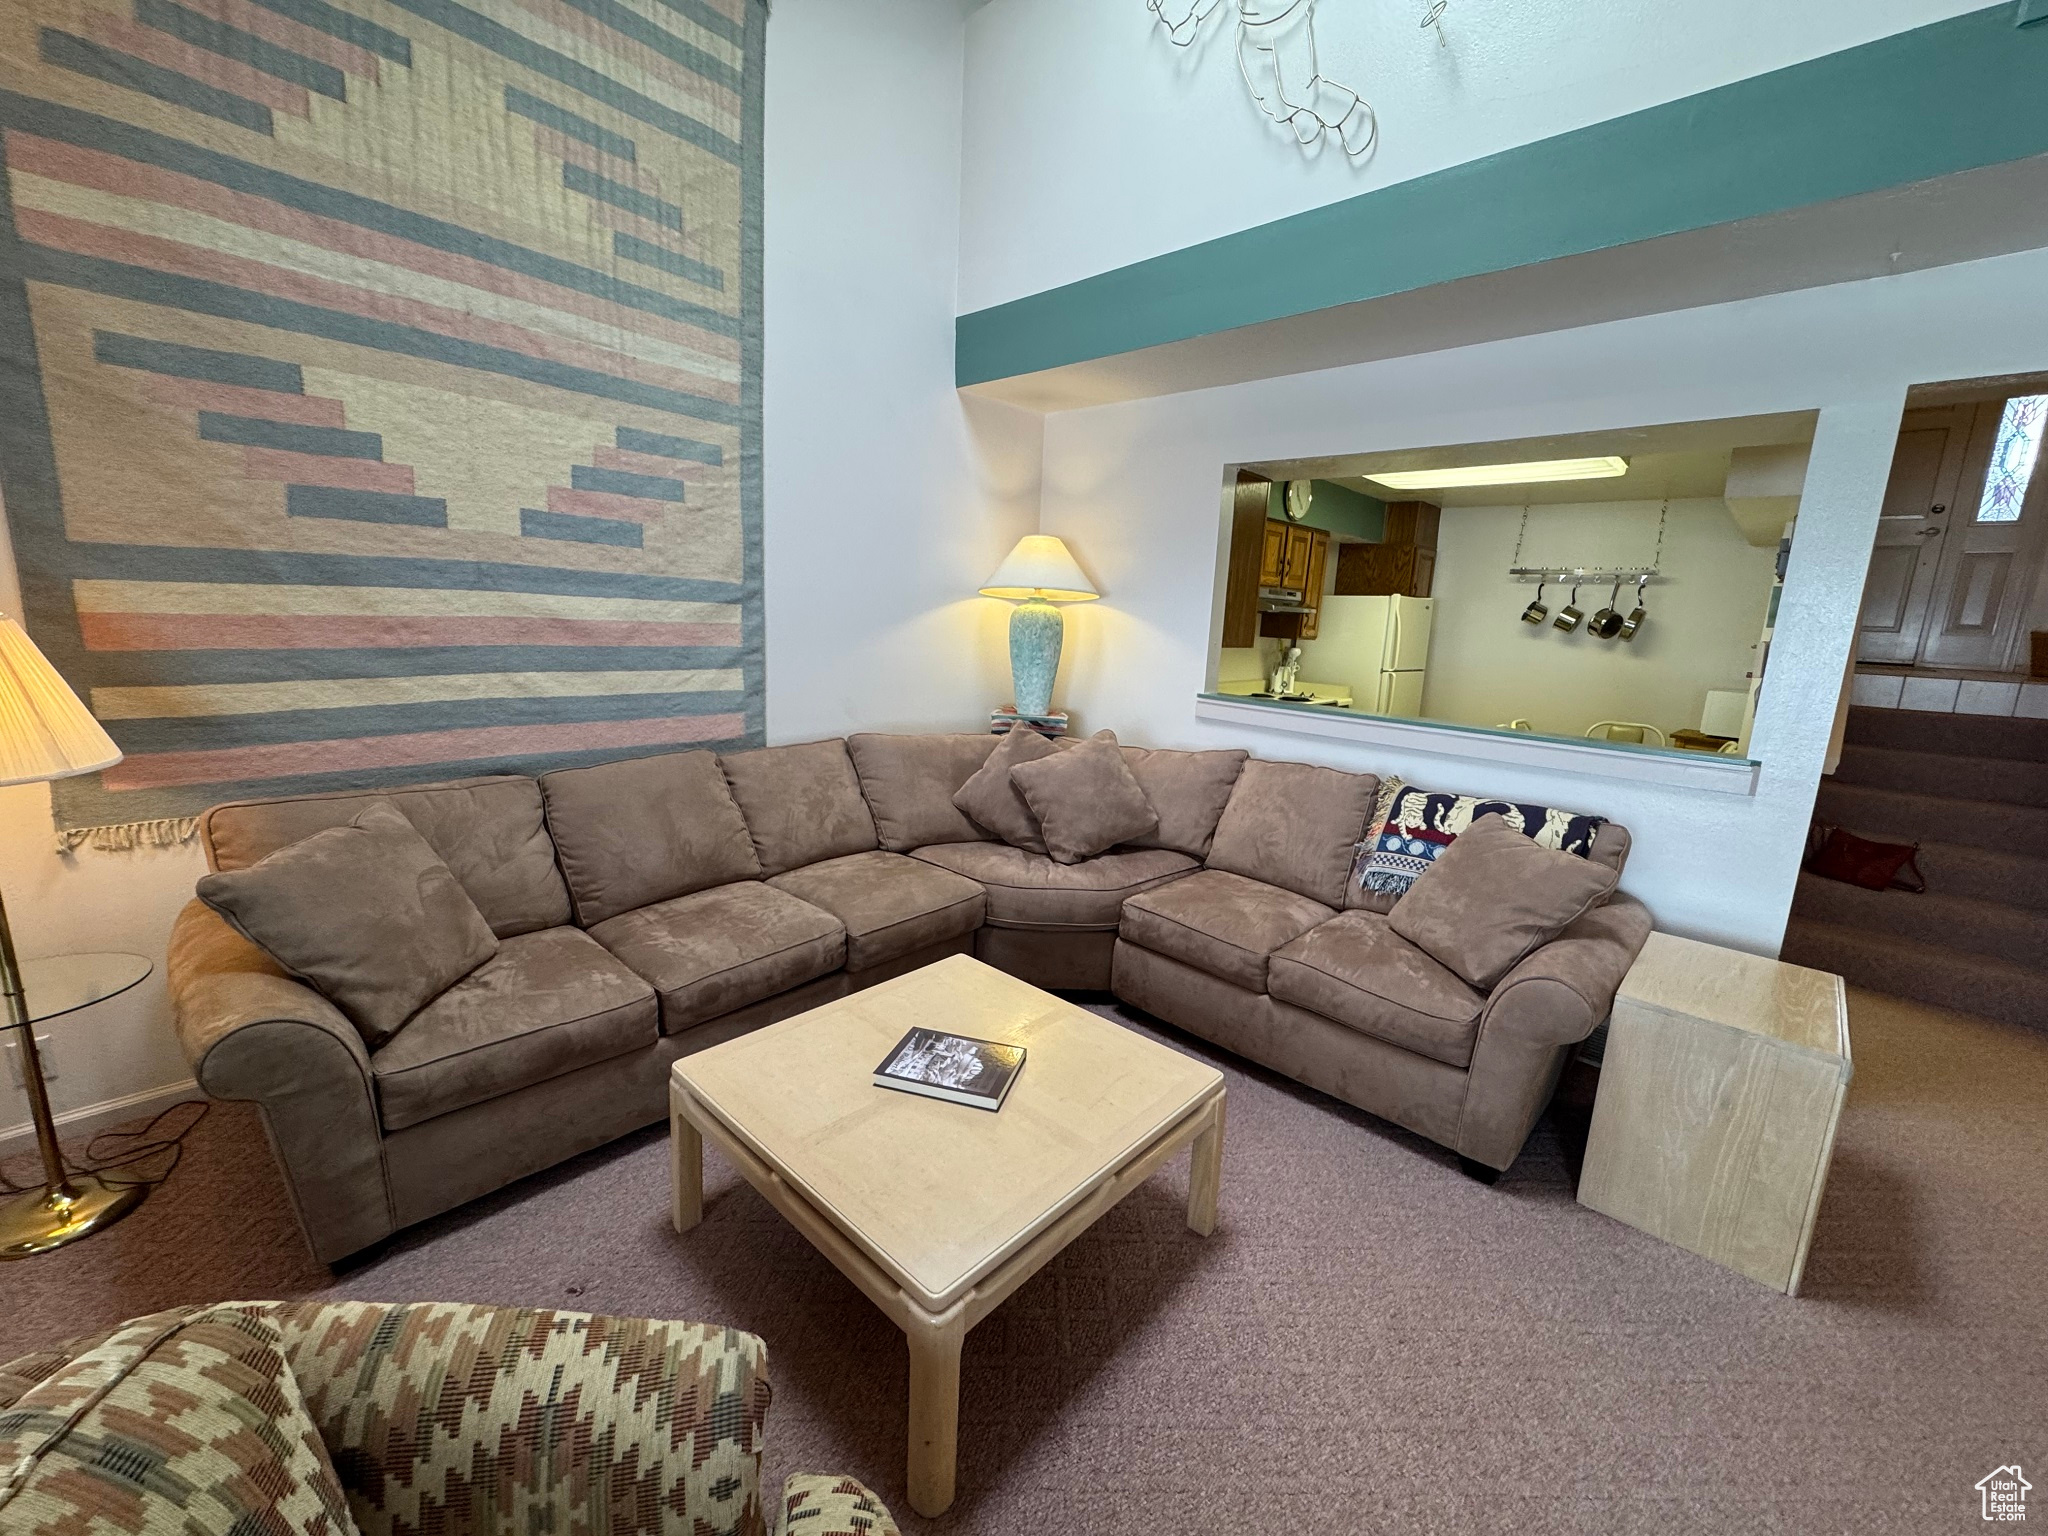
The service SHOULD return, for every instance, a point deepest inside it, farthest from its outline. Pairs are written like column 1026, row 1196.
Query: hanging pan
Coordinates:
column 1637, row 615
column 1536, row 613
column 1569, row 615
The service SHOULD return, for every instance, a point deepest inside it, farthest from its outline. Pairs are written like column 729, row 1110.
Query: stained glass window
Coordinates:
column 2012, row 459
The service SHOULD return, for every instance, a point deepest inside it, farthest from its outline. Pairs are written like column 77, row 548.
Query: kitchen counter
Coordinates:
column 1334, row 695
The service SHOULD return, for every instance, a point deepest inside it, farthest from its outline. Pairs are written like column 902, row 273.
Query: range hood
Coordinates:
column 1282, row 600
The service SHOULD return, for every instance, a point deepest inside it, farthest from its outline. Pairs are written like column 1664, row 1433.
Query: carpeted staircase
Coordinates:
column 1972, row 791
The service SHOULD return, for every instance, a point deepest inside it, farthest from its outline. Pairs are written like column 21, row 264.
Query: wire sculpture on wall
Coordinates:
column 1276, row 53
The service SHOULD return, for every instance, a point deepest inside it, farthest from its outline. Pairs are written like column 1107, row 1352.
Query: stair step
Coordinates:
column 1918, row 730
column 1958, row 922
column 1953, row 869
column 1926, row 973
column 1893, row 815
column 1937, row 773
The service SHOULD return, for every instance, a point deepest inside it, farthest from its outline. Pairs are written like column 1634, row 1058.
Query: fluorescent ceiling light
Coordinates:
column 1605, row 467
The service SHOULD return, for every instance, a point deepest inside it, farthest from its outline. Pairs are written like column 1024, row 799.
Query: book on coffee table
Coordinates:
column 956, row 1068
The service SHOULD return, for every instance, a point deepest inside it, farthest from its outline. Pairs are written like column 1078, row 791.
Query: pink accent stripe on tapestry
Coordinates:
column 360, row 753
column 632, row 509
column 318, row 469
column 236, row 400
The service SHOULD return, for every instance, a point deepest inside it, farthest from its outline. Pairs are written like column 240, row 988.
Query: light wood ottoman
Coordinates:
column 938, row 1211
column 1719, row 1095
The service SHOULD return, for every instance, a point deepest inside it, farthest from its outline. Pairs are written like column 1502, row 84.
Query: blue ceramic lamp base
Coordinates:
column 1036, row 631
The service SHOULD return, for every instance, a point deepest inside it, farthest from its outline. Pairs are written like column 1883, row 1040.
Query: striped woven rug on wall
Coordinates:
column 379, row 385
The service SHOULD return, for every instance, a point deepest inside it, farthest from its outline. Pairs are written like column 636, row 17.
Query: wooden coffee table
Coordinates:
column 938, row 1211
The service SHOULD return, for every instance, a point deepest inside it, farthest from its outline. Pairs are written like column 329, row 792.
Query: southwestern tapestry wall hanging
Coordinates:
column 379, row 384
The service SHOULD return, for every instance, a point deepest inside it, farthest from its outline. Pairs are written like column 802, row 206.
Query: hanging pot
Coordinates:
column 1536, row 613
column 1637, row 615
column 1568, row 616
column 1607, row 622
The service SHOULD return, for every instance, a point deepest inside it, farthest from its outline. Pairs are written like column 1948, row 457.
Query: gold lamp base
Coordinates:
column 48, row 1218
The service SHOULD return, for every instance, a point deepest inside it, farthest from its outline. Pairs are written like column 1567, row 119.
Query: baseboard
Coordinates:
column 91, row 1119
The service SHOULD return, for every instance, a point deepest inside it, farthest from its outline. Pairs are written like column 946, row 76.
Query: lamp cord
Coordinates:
column 131, row 1164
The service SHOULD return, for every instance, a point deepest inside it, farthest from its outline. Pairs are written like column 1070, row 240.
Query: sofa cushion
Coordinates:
column 367, row 914
column 1085, row 799
column 1357, row 971
column 1295, row 826
column 713, row 951
column 1033, row 890
column 992, row 801
column 909, row 783
column 801, row 803
column 179, row 1422
column 1220, row 923
column 1492, row 897
column 546, row 1003
column 890, row 905
column 644, row 830
column 1187, row 790
column 489, row 831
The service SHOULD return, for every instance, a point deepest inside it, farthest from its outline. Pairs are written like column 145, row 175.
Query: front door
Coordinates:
column 1981, row 585
column 1926, row 470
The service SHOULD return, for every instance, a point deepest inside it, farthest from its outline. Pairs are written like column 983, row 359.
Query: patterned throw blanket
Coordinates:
column 1420, row 824
column 379, row 385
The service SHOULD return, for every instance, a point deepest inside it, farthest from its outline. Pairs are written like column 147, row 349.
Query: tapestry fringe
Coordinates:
column 165, row 833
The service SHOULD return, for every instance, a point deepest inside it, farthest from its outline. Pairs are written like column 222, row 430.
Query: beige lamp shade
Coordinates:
column 45, row 732
column 1040, row 567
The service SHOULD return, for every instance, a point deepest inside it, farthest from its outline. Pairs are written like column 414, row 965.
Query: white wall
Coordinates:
column 1133, row 487
column 1706, row 611
column 889, row 498
column 1093, row 143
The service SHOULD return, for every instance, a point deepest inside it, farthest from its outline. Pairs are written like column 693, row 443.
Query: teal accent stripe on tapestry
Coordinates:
column 203, row 298
column 70, row 126
column 202, row 363
column 506, row 43
column 1960, row 94
column 633, row 248
column 367, row 35
column 536, row 524
column 619, row 482
column 662, row 446
column 290, row 437
column 567, row 123
column 350, row 506
column 155, row 669
column 172, row 733
column 130, row 73
column 667, row 44
column 189, row 26
column 162, row 562
column 619, row 195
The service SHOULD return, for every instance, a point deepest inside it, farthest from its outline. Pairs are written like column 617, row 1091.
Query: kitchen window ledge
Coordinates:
column 1474, row 743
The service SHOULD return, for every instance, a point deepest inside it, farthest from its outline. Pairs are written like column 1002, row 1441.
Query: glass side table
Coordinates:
column 69, row 1205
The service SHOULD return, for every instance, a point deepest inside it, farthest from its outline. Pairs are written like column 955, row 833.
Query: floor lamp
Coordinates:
column 46, row 733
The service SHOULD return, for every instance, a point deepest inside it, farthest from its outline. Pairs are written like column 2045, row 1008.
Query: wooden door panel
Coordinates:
column 1273, row 559
column 1927, row 466
column 1298, row 548
column 1886, row 591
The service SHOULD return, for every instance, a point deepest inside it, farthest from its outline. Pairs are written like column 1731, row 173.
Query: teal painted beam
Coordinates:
column 1957, row 95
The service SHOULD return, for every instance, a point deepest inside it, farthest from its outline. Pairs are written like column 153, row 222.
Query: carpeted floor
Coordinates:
column 1370, row 1342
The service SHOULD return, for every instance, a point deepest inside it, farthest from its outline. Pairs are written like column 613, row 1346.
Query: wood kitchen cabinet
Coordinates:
column 1404, row 565
column 1266, row 551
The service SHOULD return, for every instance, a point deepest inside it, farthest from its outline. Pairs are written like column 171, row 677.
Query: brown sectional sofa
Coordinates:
column 655, row 906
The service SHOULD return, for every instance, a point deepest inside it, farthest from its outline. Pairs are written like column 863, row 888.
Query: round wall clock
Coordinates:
column 1299, row 494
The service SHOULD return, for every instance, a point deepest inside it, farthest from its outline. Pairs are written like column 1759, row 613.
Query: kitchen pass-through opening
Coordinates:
column 1615, row 589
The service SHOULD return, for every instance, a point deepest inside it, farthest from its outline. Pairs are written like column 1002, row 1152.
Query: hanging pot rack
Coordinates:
column 1588, row 575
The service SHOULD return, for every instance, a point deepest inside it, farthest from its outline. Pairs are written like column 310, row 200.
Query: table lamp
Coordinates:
column 1040, row 572
column 46, row 733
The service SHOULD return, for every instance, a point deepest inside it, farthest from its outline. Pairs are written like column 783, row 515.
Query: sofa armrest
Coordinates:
column 1548, row 1003
column 251, row 1032
column 454, row 1417
column 814, row 1504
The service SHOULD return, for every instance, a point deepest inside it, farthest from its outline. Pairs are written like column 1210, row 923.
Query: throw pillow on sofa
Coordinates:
column 1421, row 823
column 992, row 801
column 1085, row 799
column 1492, row 897
column 365, row 914
column 180, row 1422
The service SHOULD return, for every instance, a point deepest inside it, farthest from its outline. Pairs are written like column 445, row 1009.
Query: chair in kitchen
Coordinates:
column 1514, row 725
column 1626, row 730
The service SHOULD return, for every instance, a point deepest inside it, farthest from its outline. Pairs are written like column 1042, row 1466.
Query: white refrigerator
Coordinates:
column 1379, row 646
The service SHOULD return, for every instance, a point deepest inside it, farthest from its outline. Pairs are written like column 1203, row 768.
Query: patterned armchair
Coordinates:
column 358, row 1419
